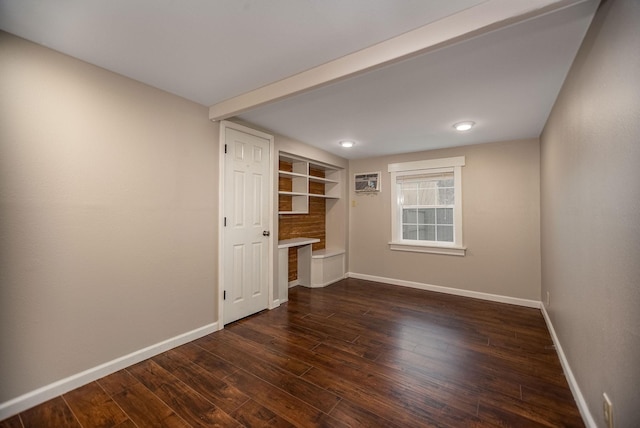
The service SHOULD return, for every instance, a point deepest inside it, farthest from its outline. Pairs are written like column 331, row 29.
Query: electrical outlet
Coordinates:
column 608, row 411
column 548, row 298
column 353, row 203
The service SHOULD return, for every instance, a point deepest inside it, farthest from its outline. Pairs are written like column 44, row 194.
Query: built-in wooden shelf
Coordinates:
column 303, row 171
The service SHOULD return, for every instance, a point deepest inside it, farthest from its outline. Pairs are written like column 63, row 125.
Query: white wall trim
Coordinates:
column 426, row 164
column 324, row 284
column 573, row 384
column 587, row 417
column 294, row 283
column 62, row 386
column 416, row 247
column 448, row 290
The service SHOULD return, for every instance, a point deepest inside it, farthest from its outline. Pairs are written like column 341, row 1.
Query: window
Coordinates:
column 427, row 206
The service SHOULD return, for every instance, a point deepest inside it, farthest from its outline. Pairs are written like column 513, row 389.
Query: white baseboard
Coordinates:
column 294, row 283
column 47, row 392
column 587, row 417
column 331, row 281
column 448, row 290
column 275, row 303
column 573, row 384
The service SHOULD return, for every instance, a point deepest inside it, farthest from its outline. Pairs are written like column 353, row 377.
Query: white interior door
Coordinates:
column 246, row 240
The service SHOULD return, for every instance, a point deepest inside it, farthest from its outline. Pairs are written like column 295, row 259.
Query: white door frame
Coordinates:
column 224, row 125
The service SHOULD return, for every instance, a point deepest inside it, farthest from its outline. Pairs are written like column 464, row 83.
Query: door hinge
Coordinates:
column 225, row 148
column 224, row 295
column 225, row 222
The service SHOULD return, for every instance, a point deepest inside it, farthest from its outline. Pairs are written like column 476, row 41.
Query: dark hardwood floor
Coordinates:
column 356, row 353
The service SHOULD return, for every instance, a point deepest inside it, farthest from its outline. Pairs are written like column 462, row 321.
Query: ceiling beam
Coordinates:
column 464, row 25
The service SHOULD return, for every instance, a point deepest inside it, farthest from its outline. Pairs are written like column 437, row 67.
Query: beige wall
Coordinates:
column 590, row 196
column 500, row 223
column 108, row 199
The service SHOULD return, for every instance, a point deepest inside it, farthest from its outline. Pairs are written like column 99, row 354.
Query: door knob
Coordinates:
column 266, row 233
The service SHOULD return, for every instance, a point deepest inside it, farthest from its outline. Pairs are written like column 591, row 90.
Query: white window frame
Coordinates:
column 431, row 166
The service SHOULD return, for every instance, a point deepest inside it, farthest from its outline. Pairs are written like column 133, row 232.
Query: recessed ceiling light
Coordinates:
column 347, row 143
column 464, row 126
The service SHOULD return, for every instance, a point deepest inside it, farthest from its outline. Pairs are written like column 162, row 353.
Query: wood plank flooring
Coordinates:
column 356, row 353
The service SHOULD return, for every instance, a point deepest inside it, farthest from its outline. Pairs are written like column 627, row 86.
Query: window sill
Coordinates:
column 450, row 250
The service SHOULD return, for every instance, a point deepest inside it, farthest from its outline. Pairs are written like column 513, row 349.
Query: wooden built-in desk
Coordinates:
column 304, row 264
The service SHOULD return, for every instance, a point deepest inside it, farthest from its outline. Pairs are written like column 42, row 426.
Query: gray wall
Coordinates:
column 501, row 223
column 590, row 195
column 108, row 199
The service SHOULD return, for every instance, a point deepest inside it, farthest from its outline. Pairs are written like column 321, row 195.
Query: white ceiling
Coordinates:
column 208, row 51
